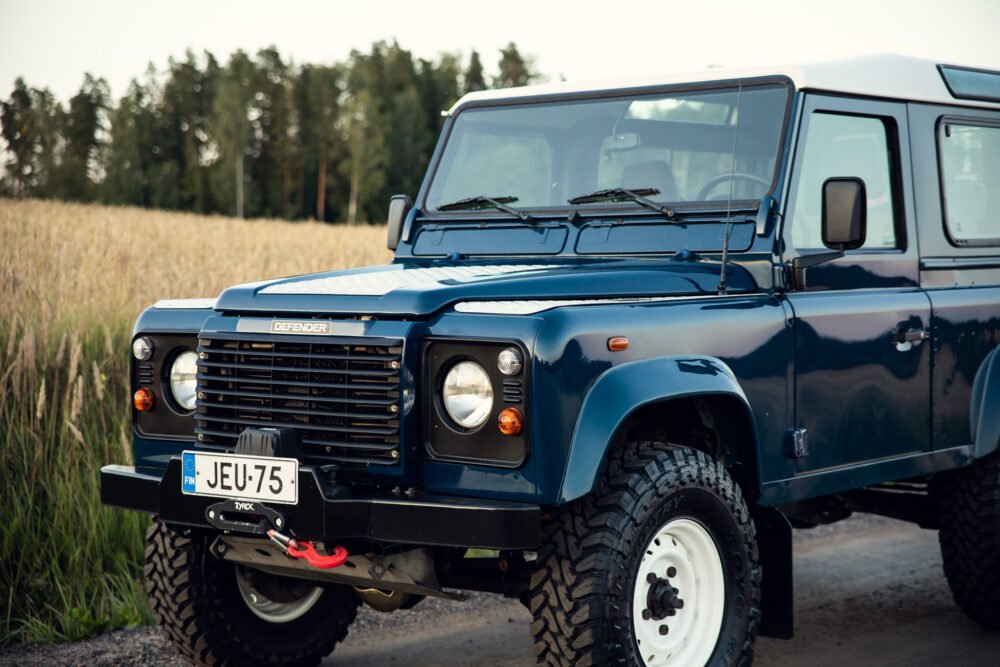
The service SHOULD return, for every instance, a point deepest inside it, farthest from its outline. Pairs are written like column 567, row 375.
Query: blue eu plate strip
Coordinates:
column 187, row 481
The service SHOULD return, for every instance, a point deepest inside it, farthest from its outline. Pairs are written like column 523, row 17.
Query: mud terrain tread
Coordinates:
column 184, row 602
column 574, row 590
column 970, row 539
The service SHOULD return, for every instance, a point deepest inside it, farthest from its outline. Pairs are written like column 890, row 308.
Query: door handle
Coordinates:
column 910, row 335
column 905, row 339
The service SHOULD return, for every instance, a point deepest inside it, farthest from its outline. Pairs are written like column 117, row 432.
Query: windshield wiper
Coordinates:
column 480, row 202
column 637, row 195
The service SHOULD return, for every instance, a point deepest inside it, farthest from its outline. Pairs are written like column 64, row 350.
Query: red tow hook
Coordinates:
column 306, row 550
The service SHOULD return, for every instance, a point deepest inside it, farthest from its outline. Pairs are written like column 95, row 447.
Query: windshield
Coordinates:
column 681, row 144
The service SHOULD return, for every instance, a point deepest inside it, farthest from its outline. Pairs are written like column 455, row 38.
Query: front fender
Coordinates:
column 985, row 412
column 621, row 390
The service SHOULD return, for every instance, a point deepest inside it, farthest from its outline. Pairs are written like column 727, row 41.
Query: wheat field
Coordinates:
column 73, row 278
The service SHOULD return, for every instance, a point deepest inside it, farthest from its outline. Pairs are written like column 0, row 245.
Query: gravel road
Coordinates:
column 869, row 591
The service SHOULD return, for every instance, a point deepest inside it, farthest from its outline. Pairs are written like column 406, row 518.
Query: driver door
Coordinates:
column 862, row 384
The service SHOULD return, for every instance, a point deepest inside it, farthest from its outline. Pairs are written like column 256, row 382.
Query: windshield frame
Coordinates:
column 605, row 208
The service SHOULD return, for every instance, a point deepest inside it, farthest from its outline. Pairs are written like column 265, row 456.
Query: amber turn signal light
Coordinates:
column 618, row 343
column 142, row 399
column 511, row 422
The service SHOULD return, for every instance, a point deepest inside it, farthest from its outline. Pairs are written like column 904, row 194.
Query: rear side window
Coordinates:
column 970, row 181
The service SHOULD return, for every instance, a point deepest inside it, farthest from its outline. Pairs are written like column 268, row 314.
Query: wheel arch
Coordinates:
column 642, row 394
column 984, row 413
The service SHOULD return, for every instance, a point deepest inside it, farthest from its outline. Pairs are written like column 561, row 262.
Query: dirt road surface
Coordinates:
column 869, row 591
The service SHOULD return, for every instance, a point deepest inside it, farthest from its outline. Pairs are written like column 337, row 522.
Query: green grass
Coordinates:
column 69, row 567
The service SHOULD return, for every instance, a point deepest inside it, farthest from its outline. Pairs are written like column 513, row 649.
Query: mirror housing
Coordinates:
column 845, row 213
column 399, row 207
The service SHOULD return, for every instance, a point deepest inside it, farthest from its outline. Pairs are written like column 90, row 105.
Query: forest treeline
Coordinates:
column 257, row 136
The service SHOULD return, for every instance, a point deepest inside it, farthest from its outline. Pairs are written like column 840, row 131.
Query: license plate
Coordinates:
column 264, row 478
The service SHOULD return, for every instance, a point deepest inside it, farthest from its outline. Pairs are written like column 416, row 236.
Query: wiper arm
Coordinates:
column 499, row 203
column 637, row 195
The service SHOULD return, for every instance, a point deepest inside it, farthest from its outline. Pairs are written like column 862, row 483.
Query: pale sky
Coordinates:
column 53, row 43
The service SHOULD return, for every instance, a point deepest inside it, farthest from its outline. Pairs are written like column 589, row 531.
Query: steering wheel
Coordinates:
column 716, row 181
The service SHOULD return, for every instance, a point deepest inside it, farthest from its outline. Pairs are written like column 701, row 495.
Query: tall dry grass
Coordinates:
column 73, row 278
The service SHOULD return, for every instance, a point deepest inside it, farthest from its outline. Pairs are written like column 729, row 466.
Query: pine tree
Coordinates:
column 319, row 106
column 515, row 70
column 473, row 79
column 83, row 124
column 272, row 124
column 127, row 154
column 232, row 131
column 32, row 125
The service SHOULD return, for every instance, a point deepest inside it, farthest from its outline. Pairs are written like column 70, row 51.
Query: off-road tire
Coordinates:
column 197, row 603
column 969, row 503
column 582, row 587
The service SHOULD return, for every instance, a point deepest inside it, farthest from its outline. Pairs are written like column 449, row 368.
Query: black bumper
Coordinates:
column 424, row 520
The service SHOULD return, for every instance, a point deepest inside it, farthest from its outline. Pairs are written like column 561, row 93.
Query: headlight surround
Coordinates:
column 183, row 382
column 467, row 394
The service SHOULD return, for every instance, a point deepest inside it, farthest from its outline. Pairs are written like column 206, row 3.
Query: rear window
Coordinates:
column 970, row 181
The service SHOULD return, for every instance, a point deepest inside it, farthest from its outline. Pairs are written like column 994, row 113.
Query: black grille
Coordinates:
column 342, row 396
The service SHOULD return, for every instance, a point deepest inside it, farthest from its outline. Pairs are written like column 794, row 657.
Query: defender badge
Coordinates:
column 310, row 327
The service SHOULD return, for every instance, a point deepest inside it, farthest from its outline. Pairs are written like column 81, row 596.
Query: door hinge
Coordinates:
column 796, row 443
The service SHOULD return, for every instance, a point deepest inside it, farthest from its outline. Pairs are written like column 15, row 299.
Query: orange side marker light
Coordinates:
column 511, row 422
column 618, row 343
column 142, row 399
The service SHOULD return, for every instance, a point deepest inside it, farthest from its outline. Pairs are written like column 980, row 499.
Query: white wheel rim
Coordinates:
column 684, row 549
column 270, row 610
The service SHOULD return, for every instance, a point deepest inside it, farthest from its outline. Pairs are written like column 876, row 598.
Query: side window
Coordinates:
column 970, row 181
column 840, row 145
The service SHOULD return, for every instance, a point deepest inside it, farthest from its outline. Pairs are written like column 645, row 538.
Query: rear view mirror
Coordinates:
column 620, row 141
column 845, row 211
column 399, row 207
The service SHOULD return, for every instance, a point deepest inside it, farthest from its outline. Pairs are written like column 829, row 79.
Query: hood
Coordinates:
column 415, row 290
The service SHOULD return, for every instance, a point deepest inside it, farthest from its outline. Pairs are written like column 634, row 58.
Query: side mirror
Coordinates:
column 399, row 207
column 844, row 225
column 845, row 213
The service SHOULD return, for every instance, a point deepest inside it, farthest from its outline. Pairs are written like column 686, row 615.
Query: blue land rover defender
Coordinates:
column 632, row 334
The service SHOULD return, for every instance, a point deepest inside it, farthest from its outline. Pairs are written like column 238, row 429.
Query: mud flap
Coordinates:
column 777, row 599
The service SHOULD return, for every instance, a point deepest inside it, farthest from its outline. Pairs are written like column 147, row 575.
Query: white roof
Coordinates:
column 886, row 75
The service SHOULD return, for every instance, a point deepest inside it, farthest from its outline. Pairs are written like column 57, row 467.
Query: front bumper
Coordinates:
column 422, row 520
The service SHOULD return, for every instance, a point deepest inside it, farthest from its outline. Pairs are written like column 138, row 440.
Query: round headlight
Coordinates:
column 183, row 384
column 468, row 394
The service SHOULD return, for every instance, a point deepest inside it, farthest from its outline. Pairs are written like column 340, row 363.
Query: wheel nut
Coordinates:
column 671, row 572
column 664, row 629
column 211, row 514
column 646, row 614
column 650, row 578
